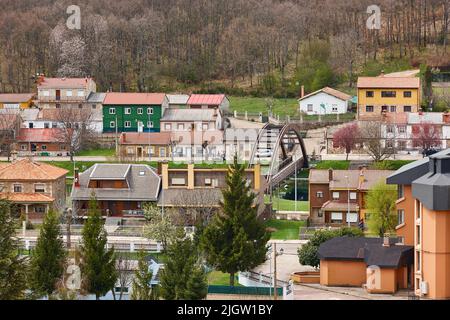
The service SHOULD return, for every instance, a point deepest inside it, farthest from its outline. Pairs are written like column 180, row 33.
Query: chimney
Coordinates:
column 124, row 137
column 76, row 178
column 302, row 91
column 382, row 73
column 159, row 168
column 330, row 174
column 387, row 241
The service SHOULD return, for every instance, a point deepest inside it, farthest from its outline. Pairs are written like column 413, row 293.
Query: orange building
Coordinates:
column 424, row 213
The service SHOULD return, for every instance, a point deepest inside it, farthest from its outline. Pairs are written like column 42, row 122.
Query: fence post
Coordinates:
column 158, row 246
column 246, row 115
column 235, row 113
column 131, row 246
column 27, row 244
column 24, row 228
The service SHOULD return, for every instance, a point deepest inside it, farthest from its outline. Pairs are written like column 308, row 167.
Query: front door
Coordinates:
column 139, row 152
column 58, row 95
column 33, row 147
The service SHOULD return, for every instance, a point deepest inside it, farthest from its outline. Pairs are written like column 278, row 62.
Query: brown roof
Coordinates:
column 15, row 97
column 27, row 169
column 339, row 181
column 70, row 83
column 388, row 82
column 27, row 197
column 60, row 115
column 331, row 92
column 145, row 138
column 125, row 98
column 48, row 135
column 339, row 206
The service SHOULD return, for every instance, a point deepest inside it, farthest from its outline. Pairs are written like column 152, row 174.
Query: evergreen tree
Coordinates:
column 97, row 262
column 182, row 277
column 141, row 287
column 49, row 257
column 235, row 240
column 13, row 268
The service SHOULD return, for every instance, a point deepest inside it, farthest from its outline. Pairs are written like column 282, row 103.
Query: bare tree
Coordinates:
column 9, row 128
column 125, row 274
column 374, row 141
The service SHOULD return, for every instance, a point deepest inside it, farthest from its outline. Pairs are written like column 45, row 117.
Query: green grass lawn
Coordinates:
column 287, row 205
column 284, row 229
column 333, row 164
column 282, row 107
column 97, row 152
column 219, row 278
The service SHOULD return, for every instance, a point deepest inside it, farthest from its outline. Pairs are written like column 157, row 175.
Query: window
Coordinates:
column 407, row 108
column 402, row 145
column 352, row 195
column 46, row 93
column 17, row 188
column 310, row 107
column 389, row 144
column 130, row 150
column 94, row 106
column 23, row 147
column 58, row 106
column 46, row 125
column 54, row 125
column 208, row 182
column 31, row 125
column 80, row 93
column 80, row 106
column 388, row 94
column 319, row 194
column 400, row 217
column 401, row 129
column 418, row 240
column 418, row 264
column 112, row 124
column 204, row 126
column 393, row 109
column 369, row 94
column 162, row 152
column 142, row 173
column 369, row 108
column 149, row 124
column 69, row 93
column 352, row 217
column 149, row 110
column 127, row 110
column 407, row 94
column 178, row 181
column 112, row 110
column 334, row 108
column 336, row 217
column 127, row 124
column 140, row 111
column 168, row 126
column 39, row 209
column 390, row 129
column 400, row 191
column 44, row 147
column 180, row 126
column 39, row 188
column 335, row 195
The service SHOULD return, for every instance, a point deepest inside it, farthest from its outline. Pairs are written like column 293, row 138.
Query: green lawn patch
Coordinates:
column 218, row 278
column 281, row 107
column 97, row 152
column 284, row 229
column 390, row 164
column 333, row 164
column 280, row 204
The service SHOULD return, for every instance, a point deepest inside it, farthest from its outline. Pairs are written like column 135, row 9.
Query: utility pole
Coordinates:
column 69, row 222
column 275, row 292
column 117, row 133
column 295, row 204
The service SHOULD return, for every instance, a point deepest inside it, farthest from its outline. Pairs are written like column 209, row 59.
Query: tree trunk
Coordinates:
column 232, row 279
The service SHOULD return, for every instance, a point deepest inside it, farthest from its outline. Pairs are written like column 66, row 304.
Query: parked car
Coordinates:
column 264, row 153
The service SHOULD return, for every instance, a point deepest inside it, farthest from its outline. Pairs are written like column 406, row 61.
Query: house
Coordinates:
column 178, row 101
column 34, row 186
column 16, row 100
column 325, row 101
column 377, row 95
column 200, row 189
column 64, row 92
column 95, row 100
column 134, row 146
column 120, row 189
column 133, row 112
column 380, row 265
column 423, row 209
column 337, row 197
column 209, row 101
column 43, row 142
column 191, row 120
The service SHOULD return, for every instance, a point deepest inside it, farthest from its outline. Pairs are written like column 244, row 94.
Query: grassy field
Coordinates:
column 333, row 164
column 255, row 105
column 97, row 152
column 284, row 229
column 220, row 279
column 287, row 205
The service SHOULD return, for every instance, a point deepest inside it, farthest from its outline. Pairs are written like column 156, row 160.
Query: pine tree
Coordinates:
column 13, row 268
column 235, row 240
column 49, row 257
column 141, row 287
column 97, row 262
column 182, row 277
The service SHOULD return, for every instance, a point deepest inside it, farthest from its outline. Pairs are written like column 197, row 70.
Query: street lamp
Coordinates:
column 275, row 254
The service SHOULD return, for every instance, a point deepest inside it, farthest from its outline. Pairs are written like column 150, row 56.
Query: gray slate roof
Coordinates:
column 141, row 187
column 96, row 97
column 189, row 115
column 178, row 98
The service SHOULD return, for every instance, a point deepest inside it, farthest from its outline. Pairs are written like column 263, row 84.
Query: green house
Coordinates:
column 133, row 112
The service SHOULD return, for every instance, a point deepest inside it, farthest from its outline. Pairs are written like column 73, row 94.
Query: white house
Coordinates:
column 324, row 101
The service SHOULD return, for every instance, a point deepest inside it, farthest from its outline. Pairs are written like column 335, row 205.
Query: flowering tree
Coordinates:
column 426, row 135
column 346, row 138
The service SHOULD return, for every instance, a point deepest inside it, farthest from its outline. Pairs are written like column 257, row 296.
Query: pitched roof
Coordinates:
column 142, row 187
column 48, row 135
column 388, row 82
column 26, row 197
column 15, row 97
column 369, row 250
column 189, row 115
column 96, row 97
column 339, row 181
column 27, row 169
column 396, row 118
column 69, row 83
column 178, row 98
column 206, row 99
column 125, row 98
column 145, row 138
column 30, row 114
column 331, row 92
column 419, row 117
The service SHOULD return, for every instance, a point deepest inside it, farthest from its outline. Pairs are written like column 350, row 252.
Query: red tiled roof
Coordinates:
column 388, row 82
column 26, row 197
column 70, row 83
column 206, row 99
column 40, row 135
column 26, row 169
column 15, row 97
column 145, row 138
column 125, row 98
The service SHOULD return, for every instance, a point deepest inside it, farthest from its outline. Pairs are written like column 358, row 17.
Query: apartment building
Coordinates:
column 337, row 197
column 424, row 221
column 378, row 95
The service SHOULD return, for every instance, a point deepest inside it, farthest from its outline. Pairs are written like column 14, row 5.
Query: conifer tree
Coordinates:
column 235, row 240
column 97, row 262
column 141, row 286
column 49, row 257
column 13, row 268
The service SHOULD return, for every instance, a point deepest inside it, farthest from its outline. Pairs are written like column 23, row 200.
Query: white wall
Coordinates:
column 326, row 99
